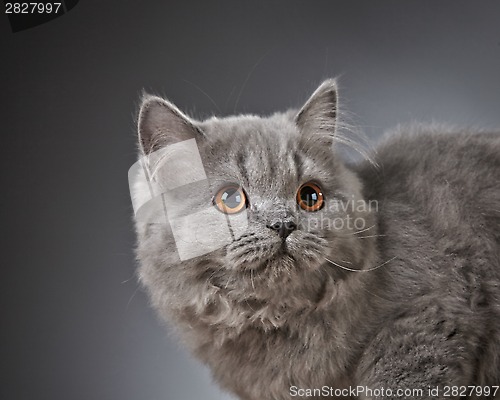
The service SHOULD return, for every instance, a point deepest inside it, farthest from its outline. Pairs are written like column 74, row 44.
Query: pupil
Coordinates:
column 309, row 196
column 231, row 198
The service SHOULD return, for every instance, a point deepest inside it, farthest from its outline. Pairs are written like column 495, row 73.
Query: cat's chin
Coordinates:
column 300, row 251
column 281, row 259
column 284, row 257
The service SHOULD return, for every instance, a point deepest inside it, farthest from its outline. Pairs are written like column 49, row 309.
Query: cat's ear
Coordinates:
column 319, row 113
column 161, row 123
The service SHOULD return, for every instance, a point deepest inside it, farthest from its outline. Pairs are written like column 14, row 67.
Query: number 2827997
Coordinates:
column 32, row 8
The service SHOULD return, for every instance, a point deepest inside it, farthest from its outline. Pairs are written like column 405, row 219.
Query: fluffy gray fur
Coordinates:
column 411, row 301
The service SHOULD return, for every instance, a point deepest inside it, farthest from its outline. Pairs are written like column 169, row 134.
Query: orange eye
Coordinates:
column 310, row 197
column 230, row 199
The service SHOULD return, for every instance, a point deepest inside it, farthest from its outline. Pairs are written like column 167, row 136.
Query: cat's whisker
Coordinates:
column 363, row 230
column 228, row 98
column 341, row 234
column 205, row 93
column 359, row 270
column 131, row 297
column 378, row 266
column 129, row 279
column 341, row 266
column 358, row 147
column 247, row 79
column 370, row 236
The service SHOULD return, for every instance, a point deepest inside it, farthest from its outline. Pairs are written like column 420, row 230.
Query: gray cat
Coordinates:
column 325, row 280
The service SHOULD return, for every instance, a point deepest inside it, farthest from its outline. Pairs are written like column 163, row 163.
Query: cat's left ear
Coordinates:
column 161, row 123
column 319, row 113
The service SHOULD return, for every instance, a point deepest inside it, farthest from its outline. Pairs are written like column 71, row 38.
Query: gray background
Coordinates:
column 73, row 323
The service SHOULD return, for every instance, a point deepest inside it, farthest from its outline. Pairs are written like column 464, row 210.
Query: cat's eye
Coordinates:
column 230, row 199
column 310, row 197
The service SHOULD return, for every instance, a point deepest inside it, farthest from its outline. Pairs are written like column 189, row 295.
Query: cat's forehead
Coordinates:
column 251, row 136
column 270, row 132
column 257, row 152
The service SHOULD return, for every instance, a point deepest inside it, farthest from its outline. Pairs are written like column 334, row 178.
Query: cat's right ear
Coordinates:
column 319, row 114
column 161, row 123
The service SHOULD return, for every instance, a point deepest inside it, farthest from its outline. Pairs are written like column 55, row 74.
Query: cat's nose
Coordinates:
column 284, row 228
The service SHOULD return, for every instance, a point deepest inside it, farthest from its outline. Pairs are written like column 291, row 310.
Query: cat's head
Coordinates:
column 254, row 212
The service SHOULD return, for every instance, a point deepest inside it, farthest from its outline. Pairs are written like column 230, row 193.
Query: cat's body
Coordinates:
column 439, row 216
column 409, row 301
